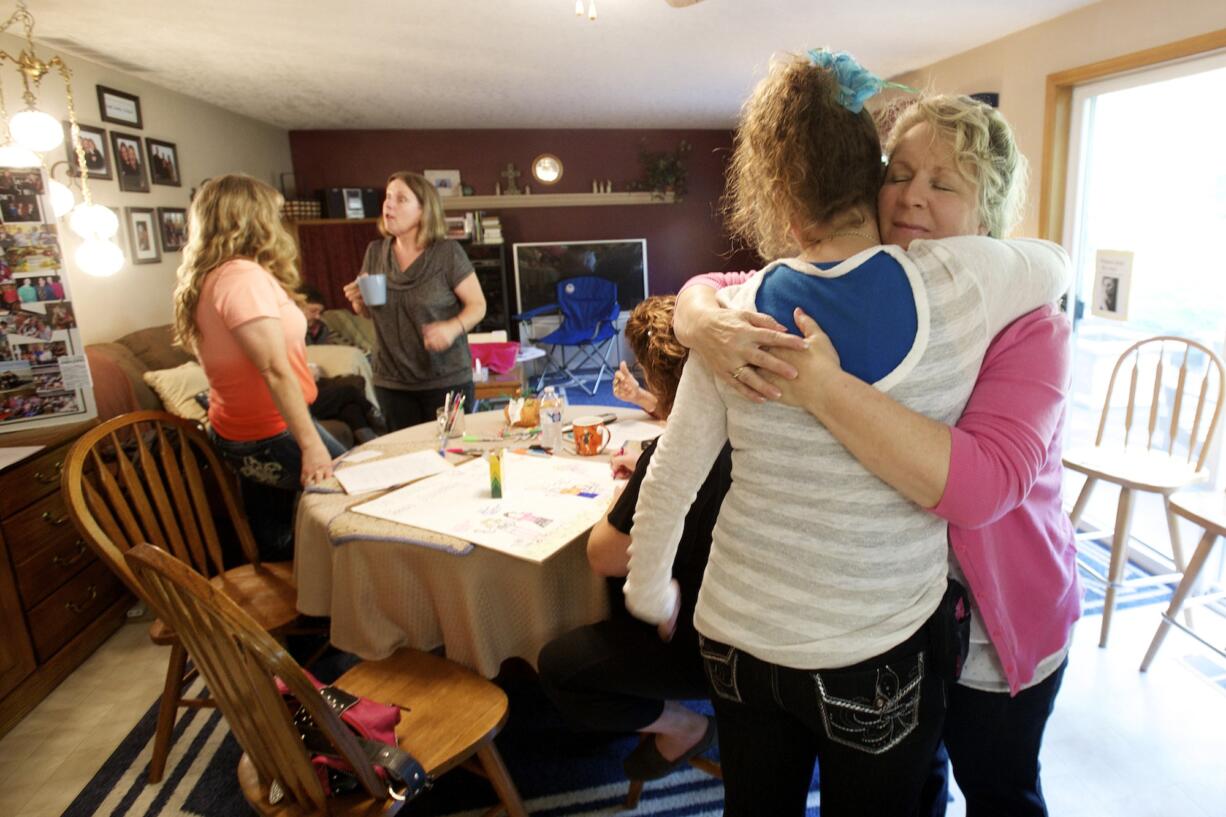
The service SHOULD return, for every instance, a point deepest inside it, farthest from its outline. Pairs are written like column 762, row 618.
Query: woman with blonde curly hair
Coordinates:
column 827, row 623
column 617, row 675
column 237, row 309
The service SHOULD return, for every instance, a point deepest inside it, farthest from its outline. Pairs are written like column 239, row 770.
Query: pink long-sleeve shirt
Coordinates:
column 1007, row 526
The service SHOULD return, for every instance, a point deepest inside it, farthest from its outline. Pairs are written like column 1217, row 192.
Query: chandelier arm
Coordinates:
column 74, row 130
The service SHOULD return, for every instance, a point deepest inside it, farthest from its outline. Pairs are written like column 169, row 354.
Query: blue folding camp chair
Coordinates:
column 589, row 329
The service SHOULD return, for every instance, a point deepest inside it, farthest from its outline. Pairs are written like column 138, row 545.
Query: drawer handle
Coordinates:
column 69, row 561
column 51, row 520
column 81, row 608
column 47, row 479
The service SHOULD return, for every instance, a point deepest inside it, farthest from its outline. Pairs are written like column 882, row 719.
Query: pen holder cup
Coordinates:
column 457, row 427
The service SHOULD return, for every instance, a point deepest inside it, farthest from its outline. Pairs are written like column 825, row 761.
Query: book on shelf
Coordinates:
column 458, row 227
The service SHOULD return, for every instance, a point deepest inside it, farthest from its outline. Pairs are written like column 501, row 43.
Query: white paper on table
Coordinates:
column 17, row 453
column 622, row 431
column 375, row 476
column 544, row 500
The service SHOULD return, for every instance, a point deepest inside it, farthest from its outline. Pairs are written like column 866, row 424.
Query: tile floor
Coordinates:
column 1121, row 744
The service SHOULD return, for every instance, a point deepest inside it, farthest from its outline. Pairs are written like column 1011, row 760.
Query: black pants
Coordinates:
column 344, row 399
column 402, row 408
column 993, row 740
column 615, row 675
column 872, row 727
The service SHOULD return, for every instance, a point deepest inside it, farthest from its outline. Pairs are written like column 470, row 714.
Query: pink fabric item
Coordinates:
column 1003, row 500
column 717, row 280
column 499, row 357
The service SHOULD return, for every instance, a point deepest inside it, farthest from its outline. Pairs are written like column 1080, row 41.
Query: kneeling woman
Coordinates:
column 236, row 309
column 617, row 675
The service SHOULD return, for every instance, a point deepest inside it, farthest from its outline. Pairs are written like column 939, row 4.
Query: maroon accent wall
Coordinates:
column 682, row 239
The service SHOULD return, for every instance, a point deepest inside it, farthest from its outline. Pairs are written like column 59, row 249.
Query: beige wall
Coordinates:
column 210, row 141
column 1017, row 66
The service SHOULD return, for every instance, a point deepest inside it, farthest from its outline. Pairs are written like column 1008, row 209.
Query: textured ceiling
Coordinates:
column 505, row 63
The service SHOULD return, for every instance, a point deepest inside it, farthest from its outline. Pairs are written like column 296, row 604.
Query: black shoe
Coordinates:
column 646, row 762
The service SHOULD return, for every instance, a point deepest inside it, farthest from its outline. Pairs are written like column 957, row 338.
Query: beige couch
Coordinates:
column 145, row 370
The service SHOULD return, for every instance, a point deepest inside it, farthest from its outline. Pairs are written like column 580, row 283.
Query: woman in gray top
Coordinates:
column 433, row 301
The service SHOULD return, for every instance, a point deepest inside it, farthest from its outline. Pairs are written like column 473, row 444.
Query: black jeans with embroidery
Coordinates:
column 270, row 472
column 871, row 727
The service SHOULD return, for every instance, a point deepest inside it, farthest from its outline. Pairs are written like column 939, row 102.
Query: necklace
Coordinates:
column 842, row 233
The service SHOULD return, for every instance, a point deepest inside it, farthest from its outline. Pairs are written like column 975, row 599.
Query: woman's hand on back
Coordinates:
column 737, row 345
column 815, row 366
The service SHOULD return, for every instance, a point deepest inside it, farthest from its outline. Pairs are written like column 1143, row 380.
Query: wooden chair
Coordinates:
column 1156, row 454
column 702, row 764
column 450, row 714
column 1209, row 511
column 148, row 476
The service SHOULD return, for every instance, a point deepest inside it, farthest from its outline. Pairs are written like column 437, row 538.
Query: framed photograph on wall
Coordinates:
column 173, row 221
column 119, row 107
column 97, row 152
column 446, row 182
column 1112, row 284
column 163, row 162
column 142, row 235
column 129, row 162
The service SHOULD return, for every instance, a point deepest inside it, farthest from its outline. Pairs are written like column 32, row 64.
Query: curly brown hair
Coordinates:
column 649, row 331
column 800, row 160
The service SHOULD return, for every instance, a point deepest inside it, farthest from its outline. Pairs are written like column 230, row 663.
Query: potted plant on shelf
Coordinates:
column 664, row 171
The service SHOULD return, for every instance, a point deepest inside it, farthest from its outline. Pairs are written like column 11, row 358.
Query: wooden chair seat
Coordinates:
column 449, row 714
column 265, row 591
column 1135, row 468
column 1207, row 509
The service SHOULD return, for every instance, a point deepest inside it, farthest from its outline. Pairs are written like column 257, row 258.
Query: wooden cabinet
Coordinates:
column 57, row 601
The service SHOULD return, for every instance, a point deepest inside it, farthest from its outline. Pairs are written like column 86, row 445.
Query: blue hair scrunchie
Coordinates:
column 857, row 84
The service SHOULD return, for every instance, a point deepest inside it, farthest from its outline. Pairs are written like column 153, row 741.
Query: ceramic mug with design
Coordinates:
column 591, row 436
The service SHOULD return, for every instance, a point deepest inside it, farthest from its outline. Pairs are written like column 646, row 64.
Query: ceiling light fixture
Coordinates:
column 591, row 9
column 32, row 132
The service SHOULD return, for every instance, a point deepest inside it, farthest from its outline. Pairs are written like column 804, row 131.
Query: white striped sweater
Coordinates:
column 816, row 563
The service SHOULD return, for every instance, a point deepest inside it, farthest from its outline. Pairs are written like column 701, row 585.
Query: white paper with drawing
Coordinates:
column 375, row 476
column 547, row 501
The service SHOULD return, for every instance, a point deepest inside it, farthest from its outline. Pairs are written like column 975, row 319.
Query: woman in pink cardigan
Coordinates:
column 995, row 476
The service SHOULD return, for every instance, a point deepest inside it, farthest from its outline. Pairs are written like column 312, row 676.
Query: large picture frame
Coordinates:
column 119, row 107
column 142, row 234
column 129, row 162
column 97, row 151
column 163, row 162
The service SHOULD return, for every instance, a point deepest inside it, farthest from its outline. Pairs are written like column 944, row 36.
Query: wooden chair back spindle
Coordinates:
column 147, row 477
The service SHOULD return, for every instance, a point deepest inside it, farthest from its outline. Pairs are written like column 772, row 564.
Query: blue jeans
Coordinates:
column 270, row 473
column 872, row 727
column 993, row 741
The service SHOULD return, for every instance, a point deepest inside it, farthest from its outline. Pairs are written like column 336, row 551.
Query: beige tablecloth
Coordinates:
column 383, row 592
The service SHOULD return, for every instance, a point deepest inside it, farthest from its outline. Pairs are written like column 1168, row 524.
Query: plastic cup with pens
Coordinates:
column 450, row 418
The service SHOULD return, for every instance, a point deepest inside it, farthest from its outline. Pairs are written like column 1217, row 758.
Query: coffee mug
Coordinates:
column 374, row 289
column 591, row 436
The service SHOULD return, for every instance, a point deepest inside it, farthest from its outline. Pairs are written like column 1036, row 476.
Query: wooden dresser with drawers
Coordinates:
column 57, row 601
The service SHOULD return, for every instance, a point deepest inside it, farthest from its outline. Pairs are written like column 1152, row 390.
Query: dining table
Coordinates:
column 387, row 585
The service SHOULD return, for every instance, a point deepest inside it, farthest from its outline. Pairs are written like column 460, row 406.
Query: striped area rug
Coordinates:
column 559, row 774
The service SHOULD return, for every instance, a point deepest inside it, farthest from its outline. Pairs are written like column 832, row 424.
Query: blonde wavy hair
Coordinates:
column 433, row 225
column 232, row 216
column 649, row 331
column 800, row 160
column 984, row 149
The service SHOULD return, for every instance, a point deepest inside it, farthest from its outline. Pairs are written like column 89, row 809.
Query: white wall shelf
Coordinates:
column 463, row 203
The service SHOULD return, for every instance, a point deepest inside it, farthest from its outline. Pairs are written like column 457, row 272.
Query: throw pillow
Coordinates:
column 177, row 388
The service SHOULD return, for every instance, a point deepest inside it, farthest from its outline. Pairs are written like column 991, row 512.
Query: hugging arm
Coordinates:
column 692, row 440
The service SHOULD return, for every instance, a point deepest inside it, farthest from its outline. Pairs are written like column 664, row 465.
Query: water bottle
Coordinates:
column 551, row 419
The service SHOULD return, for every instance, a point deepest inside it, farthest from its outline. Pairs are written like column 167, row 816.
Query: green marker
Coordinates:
column 494, row 458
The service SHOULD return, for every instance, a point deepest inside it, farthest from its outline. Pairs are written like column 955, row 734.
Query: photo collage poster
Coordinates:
column 44, row 379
